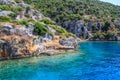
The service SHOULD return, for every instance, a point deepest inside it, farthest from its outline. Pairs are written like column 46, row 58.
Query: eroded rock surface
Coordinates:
column 19, row 41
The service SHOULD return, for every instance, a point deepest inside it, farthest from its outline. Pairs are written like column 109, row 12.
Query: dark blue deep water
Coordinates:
column 95, row 61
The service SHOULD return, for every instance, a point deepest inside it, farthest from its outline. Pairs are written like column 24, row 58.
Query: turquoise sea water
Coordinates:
column 95, row 61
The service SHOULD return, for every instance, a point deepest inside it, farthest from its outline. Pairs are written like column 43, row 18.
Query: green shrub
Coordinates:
column 46, row 21
column 30, row 20
column 4, row 7
column 94, row 28
column 5, row 19
column 67, row 35
column 61, row 30
column 58, row 29
column 73, row 16
column 81, row 13
column 27, row 9
column 13, row 15
column 18, row 1
column 16, row 9
column 19, row 8
column 110, row 34
column 100, row 35
column 106, row 26
column 50, row 33
column 40, row 29
column 22, row 22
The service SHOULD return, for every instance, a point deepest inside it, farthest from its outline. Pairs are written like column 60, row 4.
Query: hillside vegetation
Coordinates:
column 94, row 11
column 61, row 10
column 29, row 14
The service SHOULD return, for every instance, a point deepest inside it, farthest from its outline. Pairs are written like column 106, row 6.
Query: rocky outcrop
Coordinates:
column 92, row 31
column 69, row 43
column 8, row 2
column 78, row 27
column 35, row 15
column 19, row 40
column 86, row 30
column 28, row 10
column 5, row 13
column 23, row 5
column 32, row 13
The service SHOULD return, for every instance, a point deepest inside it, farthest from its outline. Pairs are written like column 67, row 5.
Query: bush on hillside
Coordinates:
column 5, row 19
column 22, row 22
column 58, row 29
column 5, row 7
column 40, row 29
column 46, row 21
column 67, row 35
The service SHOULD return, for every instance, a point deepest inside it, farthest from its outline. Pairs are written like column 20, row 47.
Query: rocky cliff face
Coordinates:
column 19, row 39
column 79, row 28
column 93, row 30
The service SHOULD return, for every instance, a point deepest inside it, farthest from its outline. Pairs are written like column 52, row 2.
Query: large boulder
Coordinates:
column 6, row 28
column 48, row 37
column 70, row 42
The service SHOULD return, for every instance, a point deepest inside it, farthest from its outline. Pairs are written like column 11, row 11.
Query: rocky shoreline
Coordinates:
column 14, row 45
column 26, row 32
column 45, row 53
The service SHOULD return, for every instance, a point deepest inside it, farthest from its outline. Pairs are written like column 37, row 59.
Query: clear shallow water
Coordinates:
column 95, row 61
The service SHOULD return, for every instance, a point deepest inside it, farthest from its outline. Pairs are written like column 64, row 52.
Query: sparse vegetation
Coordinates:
column 22, row 22
column 5, row 19
column 46, row 21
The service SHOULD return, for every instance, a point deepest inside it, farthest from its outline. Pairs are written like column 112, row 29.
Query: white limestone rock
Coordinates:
column 5, row 13
column 70, row 42
column 8, row 2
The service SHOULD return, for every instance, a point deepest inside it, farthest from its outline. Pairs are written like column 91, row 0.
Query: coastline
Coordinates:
column 98, row 40
column 45, row 53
